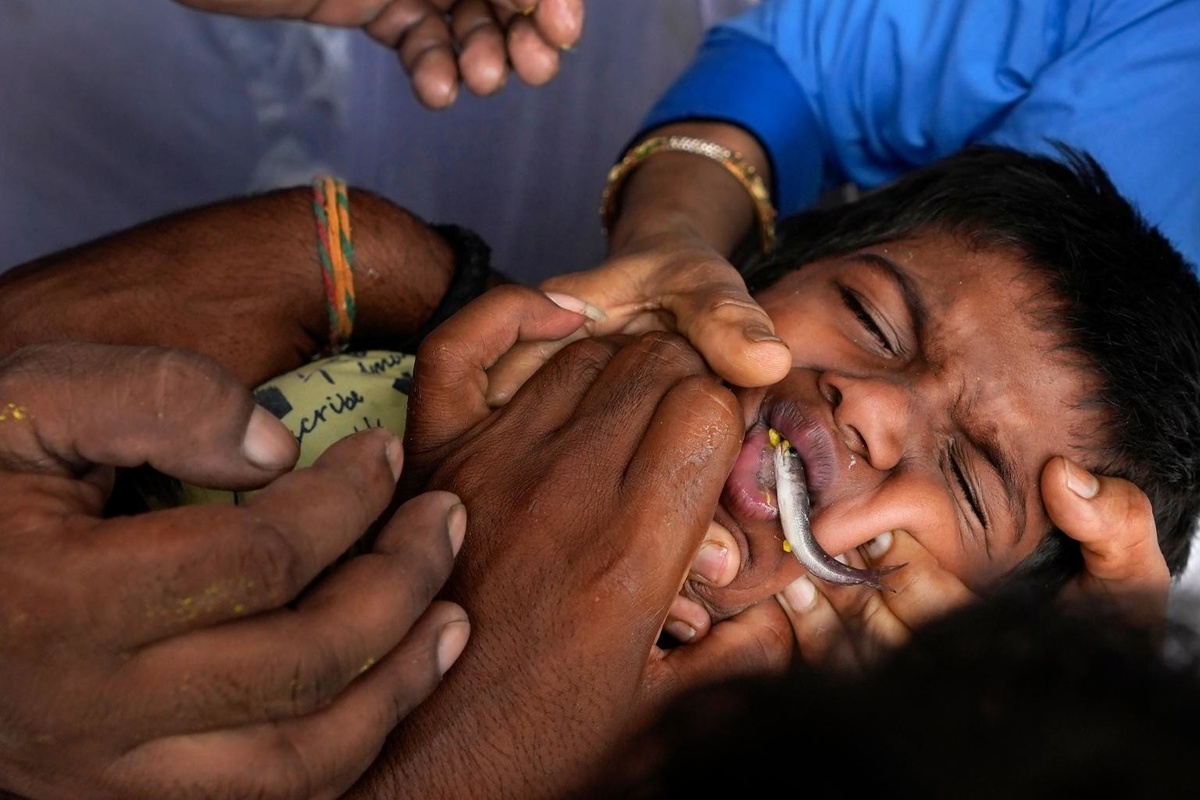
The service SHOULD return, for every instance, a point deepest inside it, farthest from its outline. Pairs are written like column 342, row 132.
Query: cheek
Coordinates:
column 808, row 328
column 918, row 505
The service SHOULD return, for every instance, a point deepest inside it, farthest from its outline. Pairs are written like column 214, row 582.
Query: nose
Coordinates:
column 875, row 415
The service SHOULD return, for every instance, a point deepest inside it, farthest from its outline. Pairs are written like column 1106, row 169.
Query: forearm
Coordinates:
column 677, row 194
column 240, row 281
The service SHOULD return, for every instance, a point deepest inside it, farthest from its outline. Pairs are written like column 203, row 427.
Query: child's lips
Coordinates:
column 749, row 492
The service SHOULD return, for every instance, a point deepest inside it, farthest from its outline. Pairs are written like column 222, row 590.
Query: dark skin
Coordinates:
column 679, row 221
column 245, row 656
column 444, row 44
column 567, row 589
column 170, row 655
column 240, row 283
column 246, row 272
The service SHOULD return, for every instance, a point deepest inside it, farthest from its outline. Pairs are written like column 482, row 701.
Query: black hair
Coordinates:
column 1008, row 697
column 1124, row 301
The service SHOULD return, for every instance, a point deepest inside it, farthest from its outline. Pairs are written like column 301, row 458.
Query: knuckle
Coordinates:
column 875, row 616
column 585, row 359
column 270, row 563
column 1139, row 513
column 317, row 679
column 709, row 397
column 725, row 307
column 668, row 349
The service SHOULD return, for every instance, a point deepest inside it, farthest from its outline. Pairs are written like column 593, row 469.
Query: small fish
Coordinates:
column 791, row 488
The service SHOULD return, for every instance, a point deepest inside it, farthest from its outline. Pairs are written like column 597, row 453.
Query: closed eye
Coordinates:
column 855, row 304
column 971, row 496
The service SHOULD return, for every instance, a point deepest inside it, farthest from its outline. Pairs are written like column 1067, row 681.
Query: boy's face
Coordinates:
column 923, row 398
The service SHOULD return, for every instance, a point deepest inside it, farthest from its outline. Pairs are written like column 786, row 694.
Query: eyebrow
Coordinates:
column 1000, row 460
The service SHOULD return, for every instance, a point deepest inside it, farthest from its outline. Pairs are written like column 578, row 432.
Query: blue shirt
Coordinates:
column 864, row 90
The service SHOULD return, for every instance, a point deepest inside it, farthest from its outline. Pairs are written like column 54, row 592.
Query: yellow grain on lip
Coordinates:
column 774, row 437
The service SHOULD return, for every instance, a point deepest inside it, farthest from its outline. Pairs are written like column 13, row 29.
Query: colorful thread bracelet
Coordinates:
column 735, row 163
column 331, row 207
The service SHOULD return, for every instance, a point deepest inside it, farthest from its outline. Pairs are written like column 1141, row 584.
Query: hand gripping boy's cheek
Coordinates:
column 919, row 400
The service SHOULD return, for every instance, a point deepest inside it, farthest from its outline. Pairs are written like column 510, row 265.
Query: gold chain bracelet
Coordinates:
column 732, row 161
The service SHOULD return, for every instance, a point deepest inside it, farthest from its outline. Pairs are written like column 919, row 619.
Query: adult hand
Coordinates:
column 443, row 43
column 679, row 283
column 1114, row 524
column 676, row 283
column 186, row 652
column 590, row 492
column 846, row 628
column 681, row 216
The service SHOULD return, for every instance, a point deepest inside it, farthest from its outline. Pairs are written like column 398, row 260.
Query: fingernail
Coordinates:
column 800, row 595
column 395, row 457
column 456, row 526
column 268, row 443
column 757, row 333
column 1080, row 481
column 529, row 10
column 573, row 303
column 452, row 639
column 879, row 545
column 710, row 562
column 680, row 631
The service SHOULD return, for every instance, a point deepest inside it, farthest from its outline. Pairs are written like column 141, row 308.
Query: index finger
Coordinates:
column 921, row 589
column 559, row 22
column 184, row 568
column 848, row 624
column 703, row 298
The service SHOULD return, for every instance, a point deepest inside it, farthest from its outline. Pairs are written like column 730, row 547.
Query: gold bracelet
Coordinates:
column 733, row 161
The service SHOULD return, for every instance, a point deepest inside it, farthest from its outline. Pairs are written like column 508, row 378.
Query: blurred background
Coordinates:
column 122, row 110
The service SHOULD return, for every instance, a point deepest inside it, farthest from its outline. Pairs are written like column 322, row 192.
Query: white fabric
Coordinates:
column 1185, row 594
column 120, row 110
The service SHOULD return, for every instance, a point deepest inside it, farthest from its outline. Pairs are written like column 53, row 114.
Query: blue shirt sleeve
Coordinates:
column 864, row 90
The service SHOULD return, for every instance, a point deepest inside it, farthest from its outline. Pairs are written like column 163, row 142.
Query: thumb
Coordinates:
column 1114, row 524
column 758, row 640
column 184, row 414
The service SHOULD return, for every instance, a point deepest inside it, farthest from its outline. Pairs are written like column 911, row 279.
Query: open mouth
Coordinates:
column 785, row 466
column 791, row 486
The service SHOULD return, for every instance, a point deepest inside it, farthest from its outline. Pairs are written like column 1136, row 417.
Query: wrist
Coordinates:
column 733, row 163
column 693, row 179
column 413, row 276
column 663, row 226
column 403, row 269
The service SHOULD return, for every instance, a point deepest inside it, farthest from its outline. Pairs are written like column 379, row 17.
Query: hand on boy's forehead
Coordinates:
column 924, row 397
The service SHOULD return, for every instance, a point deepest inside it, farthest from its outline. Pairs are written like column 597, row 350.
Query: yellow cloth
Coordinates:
column 324, row 401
